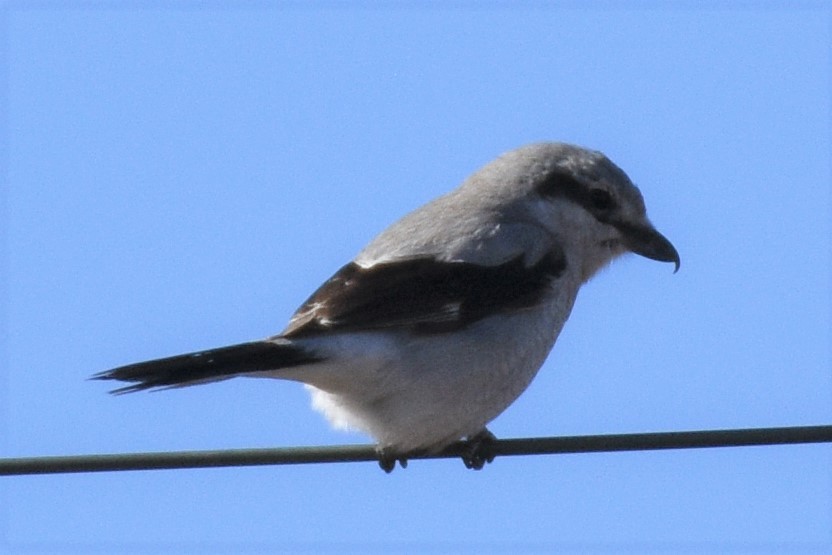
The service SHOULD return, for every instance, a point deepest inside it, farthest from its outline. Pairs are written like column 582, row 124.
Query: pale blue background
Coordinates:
column 182, row 175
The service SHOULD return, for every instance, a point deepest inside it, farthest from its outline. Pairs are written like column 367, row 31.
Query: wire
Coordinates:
column 358, row 453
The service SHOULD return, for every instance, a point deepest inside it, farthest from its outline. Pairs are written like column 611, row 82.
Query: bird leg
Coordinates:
column 387, row 460
column 477, row 450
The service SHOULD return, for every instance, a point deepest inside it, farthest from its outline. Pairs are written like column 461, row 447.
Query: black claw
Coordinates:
column 387, row 465
column 478, row 450
column 387, row 461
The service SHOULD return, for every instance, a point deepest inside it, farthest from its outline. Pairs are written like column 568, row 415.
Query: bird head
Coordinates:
column 584, row 201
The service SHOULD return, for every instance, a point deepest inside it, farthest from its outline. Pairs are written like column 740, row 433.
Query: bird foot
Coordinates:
column 387, row 460
column 477, row 450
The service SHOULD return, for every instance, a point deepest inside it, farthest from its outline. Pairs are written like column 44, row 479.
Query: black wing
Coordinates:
column 422, row 294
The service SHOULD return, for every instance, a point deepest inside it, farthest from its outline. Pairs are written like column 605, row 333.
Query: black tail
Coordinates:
column 206, row 366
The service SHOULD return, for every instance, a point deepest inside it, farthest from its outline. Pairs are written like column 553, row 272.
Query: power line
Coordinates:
column 359, row 453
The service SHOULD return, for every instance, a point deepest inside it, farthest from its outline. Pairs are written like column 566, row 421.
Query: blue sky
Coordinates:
column 178, row 176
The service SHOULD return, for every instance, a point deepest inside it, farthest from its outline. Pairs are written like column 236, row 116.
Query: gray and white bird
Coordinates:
column 444, row 319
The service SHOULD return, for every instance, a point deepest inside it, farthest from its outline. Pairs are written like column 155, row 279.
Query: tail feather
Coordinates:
column 206, row 366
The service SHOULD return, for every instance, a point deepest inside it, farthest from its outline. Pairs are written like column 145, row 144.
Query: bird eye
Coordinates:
column 601, row 199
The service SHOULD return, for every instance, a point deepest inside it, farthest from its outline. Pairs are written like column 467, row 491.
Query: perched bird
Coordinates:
column 442, row 321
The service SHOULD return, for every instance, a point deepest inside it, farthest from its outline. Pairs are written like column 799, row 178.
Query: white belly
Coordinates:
column 424, row 392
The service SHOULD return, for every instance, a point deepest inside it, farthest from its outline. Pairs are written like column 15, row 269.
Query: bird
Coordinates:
column 443, row 320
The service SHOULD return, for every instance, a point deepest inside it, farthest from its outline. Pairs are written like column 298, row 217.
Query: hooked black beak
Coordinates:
column 648, row 242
